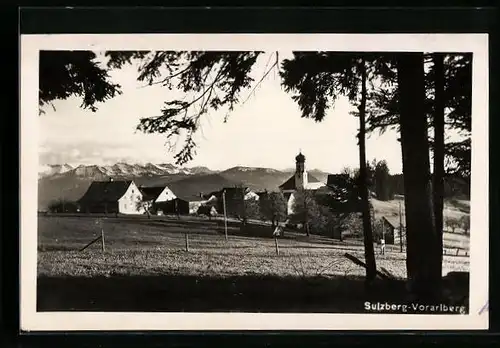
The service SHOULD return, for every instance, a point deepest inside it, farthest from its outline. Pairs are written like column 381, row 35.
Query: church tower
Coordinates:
column 300, row 172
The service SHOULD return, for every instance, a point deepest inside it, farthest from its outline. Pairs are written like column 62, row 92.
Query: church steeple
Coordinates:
column 300, row 160
column 300, row 171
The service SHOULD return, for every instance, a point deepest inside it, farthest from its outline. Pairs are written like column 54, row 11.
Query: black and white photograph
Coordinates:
column 254, row 181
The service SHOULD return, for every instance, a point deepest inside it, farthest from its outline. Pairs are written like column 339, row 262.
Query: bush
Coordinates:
column 452, row 223
column 378, row 230
column 465, row 223
column 352, row 223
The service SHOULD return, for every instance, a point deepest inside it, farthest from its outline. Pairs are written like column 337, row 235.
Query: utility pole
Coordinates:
column 176, row 208
column 225, row 217
column 63, row 203
column 400, row 228
column 103, row 245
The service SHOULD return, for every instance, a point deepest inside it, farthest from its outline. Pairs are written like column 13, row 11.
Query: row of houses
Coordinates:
column 125, row 197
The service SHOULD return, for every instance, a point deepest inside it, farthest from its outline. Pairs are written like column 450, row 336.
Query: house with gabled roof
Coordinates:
column 390, row 226
column 301, row 180
column 156, row 194
column 233, row 196
column 112, row 196
column 181, row 204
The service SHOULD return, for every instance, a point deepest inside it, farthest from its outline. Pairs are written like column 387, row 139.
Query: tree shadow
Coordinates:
column 249, row 293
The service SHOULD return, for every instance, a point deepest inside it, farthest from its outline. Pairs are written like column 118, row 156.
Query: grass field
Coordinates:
column 146, row 267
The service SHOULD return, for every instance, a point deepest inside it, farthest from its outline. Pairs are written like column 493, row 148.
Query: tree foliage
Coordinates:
column 145, row 206
column 74, row 73
column 62, row 206
column 317, row 79
column 383, row 188
column 273, row 207
column 385, row 110
column 251, row 209
column 213, row 79
column 453, row 223
column 465, row 223
column 315, row 217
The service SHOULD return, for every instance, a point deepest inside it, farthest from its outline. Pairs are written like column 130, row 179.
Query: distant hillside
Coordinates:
column 454, row 186
column 256, row 178
column 63, row 187
column 48, row 170
column 453, row 208
column 201, row 184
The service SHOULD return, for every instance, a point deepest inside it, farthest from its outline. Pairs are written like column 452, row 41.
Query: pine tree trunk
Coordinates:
column 438, row 182
column 306, row 214
column 371, row 267
column 423, row 269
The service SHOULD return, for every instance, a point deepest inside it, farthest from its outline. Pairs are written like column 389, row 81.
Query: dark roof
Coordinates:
column 105, row 191
column 151, row 193
column 393, row 221
column 337, row 179
column 198, row 185
column 230, row 192
column 190, row 198
column 290, row 183
column 214, row 193
column 235, row 192
column 311, row 178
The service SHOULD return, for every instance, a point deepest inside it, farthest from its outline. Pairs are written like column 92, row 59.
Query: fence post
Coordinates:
column 187, row 241
column 400, row 228
column 225, row 213
column 103, row 245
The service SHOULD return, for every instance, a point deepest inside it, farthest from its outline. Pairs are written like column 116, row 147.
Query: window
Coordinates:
column 124, row 206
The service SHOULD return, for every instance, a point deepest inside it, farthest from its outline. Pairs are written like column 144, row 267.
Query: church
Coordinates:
column 301, row 180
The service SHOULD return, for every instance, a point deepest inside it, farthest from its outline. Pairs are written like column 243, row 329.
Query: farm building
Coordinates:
column 301, row 180
column 182, row 205
column 390, row 228
column 233, row 197
column 111, row 196
column 156, row 194
column 207, row 210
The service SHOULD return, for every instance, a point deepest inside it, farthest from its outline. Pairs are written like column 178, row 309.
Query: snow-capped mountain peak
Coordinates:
column 120, row 169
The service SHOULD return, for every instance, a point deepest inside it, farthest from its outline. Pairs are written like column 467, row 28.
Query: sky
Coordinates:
column 266, row 131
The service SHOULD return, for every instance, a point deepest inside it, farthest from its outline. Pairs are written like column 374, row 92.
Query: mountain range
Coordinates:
column 69, row 182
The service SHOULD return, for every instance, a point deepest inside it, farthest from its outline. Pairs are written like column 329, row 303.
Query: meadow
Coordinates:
column 146, row 267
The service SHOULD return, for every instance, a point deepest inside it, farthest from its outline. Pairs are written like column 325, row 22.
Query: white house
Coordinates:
column 157, row 194
column 121, row 196
column 251, row 195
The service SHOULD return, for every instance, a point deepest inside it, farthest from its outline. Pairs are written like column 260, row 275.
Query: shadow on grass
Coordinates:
column 173, row 293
